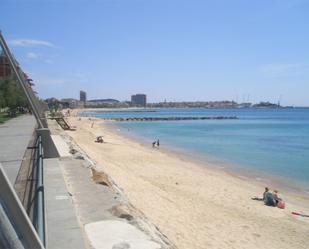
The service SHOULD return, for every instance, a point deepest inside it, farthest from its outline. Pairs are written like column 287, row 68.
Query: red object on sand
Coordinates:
column 303, row 215
column 281, row 204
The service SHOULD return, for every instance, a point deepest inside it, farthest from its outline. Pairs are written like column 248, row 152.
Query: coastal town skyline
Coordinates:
column 175, row 50
column 140, row 100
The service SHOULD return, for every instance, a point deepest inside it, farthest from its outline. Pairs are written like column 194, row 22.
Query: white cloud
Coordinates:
column 32, row 55
column 30, row 43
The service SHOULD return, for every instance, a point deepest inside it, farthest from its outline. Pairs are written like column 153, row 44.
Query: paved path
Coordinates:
column 15, row 135
column 63, row 230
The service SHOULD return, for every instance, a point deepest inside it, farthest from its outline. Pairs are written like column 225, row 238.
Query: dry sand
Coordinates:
column 195, row 206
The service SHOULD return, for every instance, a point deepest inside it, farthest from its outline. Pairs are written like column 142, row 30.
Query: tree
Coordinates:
column 2, row 101
column 11, row 95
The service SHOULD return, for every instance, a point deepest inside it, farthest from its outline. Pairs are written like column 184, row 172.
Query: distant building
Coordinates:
column 138, row 100
column 5, row 70
column 83, row 96
column 72, row 103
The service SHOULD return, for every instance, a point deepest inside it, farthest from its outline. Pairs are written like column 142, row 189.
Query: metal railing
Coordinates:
column 35, row 202
column 16, row 230
column 39, row 202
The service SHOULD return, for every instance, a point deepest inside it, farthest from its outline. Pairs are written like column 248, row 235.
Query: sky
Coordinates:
column 256, row 50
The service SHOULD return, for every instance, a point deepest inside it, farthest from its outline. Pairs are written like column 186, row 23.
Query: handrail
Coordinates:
column 39, row 207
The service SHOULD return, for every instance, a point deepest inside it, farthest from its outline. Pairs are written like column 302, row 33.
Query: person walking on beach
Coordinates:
column 156, row 144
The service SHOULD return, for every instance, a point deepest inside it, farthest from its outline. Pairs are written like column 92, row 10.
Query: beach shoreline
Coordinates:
column 272, row 165
column 260, row 178
column 173, row 181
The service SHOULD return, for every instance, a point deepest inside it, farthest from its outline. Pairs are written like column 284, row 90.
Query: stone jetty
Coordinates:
column 171, row 118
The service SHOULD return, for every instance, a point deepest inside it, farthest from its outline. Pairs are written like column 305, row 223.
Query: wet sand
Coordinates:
column 195, row 206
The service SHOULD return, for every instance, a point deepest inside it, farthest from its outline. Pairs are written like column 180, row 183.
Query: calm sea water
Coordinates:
column 270, row 141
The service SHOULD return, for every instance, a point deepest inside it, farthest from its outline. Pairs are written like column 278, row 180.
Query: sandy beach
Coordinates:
column 195, row 206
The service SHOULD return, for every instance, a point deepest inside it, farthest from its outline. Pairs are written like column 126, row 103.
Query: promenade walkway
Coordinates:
column 15, row 135
column 63, row 228
column 88, row 208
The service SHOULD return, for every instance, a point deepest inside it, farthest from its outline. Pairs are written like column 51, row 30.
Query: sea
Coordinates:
column 267, row 144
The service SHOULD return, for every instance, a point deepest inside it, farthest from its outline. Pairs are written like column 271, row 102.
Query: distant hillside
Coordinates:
column 104, row 100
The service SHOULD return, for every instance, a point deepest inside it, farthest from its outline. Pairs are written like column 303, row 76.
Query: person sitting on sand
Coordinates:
column 269, row 199
column 265, row 192
column 158, row 143
column 276, row 197
column 154, row 144
column 99, row 139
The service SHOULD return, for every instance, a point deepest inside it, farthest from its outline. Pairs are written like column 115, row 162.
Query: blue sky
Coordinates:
column 168, row 49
